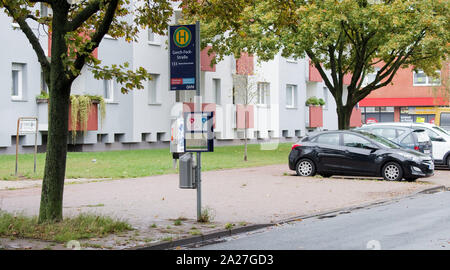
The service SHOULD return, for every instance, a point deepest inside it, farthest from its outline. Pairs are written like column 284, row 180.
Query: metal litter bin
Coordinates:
column 187, row 171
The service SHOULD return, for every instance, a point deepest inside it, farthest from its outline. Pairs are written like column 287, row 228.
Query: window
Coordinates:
column 421, row 79
column 108, row 90
column 376, row 131
column 351, row 140
column 153, row 85
column 330, row 139
column 217, row 91
column 152, row 38
column 291, row 96
column 386, row 109
column 400, row 132
column 44, row 87
column 388, row 133
column 325, row 98
column 178, row 16
column 422, row 136
column 381, row 140
column 43, row 10
column 234, row 95
column 433, row 135
column 370, row 109
column 17, row 81
column 441, row 130
column 445, row 120
column 408, row 140
column 370, row 77
column 263, row 93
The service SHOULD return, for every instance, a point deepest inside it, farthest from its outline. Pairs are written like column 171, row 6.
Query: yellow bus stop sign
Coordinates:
column 182, row 37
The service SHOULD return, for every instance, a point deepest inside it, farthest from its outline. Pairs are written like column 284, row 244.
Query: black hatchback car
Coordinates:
column 357, row 153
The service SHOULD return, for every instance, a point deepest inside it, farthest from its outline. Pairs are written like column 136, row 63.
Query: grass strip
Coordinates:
column 141, row 163
column 71, row 228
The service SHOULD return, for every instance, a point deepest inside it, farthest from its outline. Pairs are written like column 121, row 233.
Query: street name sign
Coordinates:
column 27, row 126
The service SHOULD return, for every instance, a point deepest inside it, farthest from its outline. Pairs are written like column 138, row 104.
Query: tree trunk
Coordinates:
column 55, row 163
column 58, row 122
column 245, row 133
column 344, row 113
column 245, row 151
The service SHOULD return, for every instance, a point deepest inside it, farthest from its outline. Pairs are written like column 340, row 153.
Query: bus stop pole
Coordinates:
column 17, row 146
column 198, row 107
column 199, row 187
column 35, row 143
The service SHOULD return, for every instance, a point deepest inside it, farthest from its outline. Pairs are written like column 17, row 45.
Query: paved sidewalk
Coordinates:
column 238, row 196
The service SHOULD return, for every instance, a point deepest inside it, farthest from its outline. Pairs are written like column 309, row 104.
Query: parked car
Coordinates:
column 407, row 137
column 357, row 153
column 439, row 137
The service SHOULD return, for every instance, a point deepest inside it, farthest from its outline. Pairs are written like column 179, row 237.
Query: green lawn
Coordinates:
column 79, row 227
column 140, row 163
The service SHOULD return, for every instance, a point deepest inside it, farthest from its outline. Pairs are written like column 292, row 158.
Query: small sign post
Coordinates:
column 26, row 125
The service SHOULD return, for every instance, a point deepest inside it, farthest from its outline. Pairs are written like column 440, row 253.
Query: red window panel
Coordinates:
column 347, row 79
column 355, row 118
column 94, row 53
column 241, row 111
column 315, row 116
column 92, row 123
column 245, row 64
column 314, row 75
column 205, row 60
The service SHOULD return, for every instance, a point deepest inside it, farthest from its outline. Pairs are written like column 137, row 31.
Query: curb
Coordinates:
column 202, row 239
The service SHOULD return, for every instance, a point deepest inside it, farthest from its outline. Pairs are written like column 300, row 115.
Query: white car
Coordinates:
column 440, row 138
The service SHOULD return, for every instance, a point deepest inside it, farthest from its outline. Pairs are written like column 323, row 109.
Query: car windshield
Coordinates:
column 383, row 141
column 304, row 139
column 441, row 130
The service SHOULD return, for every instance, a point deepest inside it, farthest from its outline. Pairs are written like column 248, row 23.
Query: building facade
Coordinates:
column 412, row 97
column 275, row 110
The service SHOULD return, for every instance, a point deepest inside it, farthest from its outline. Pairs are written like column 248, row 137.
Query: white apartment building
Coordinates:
column 142, row 118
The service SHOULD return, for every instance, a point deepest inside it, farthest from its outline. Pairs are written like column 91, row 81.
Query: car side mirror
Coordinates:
column 372, row 148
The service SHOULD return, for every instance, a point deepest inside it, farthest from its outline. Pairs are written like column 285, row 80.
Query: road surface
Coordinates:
column 419, row 222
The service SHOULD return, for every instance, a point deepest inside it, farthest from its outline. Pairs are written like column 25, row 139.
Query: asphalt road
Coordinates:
column 419, row 222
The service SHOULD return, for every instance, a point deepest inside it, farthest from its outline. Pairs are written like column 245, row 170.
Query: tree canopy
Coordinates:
column 341, row 37
column 80, row 27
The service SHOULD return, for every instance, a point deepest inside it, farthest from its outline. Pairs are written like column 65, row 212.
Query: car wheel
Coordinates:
column 448, row 162
column 392, row 171
column 305, row 167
